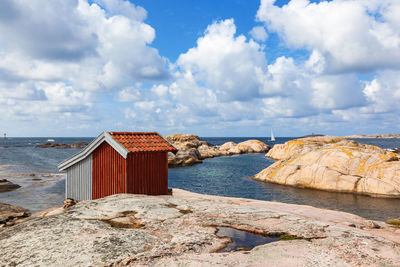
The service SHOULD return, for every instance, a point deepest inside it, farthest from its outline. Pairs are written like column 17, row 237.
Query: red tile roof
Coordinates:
column 143, row 141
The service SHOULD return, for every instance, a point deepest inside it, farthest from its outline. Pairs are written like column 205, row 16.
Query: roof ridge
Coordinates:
column 133, row 133
column 143, row 141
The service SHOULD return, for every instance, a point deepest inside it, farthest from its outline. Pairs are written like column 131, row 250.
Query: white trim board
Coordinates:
column 84, row 153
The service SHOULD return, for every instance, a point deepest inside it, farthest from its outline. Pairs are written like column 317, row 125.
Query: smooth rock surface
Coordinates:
column 334, row 164
column 179, row 230
column 192, row 150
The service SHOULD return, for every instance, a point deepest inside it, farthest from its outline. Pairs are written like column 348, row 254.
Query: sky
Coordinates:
column 211, row 68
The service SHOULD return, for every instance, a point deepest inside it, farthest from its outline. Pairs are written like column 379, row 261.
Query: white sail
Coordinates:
column 272, row 136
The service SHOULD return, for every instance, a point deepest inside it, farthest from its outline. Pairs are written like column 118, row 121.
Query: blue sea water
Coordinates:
column 225, row 176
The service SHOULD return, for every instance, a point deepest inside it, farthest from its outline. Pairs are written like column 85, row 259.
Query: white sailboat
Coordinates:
column 272, row 136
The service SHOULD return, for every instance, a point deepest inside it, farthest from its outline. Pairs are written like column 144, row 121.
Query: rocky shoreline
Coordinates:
column 192, row 150
column 181, row 230
column 334, row 164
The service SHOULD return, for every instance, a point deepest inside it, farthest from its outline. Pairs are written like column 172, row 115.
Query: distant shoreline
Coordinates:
column 361, row 136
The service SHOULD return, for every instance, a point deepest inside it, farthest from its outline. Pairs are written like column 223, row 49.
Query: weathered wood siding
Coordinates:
column 78, row 184
column 109, row 172
column 147, row 173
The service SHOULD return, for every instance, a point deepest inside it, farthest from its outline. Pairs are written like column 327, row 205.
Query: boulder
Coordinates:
column 184, row 157
column 184, row 141
column 227, row 146
column 6, row 185
column 253, row 146
column 334, row 164
column 207, row 151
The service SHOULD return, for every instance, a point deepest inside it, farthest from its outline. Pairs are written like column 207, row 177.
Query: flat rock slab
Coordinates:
column 180, row 230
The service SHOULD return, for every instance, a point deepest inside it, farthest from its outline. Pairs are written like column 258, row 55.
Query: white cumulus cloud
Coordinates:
column 357, row 35
column 259, row 33
column 56, row 57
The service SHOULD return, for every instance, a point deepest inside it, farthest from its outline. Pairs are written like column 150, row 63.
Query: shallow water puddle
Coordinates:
column 242, row 240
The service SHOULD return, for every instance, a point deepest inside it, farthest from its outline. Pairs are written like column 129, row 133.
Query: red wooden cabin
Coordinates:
column 119, row 162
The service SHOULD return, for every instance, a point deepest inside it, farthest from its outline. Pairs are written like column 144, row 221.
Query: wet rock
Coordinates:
column 151, row 231
column 334, row 164
column 77, row 145
column 10, row 215
column 6, row 185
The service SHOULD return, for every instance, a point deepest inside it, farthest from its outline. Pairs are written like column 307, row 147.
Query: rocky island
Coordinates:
column 334, row 164
column 182, row 230
column 77, row 145
column 361, row 136
column 192, row 150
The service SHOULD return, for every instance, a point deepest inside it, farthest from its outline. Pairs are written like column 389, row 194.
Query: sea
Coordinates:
column 43, row 187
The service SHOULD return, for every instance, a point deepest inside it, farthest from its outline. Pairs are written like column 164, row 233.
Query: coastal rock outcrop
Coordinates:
column 6, row 185
column 77, row 145
column 192, row 150
column 250, row 146
column 188, row 153
column 180, row 230
column 334, row 164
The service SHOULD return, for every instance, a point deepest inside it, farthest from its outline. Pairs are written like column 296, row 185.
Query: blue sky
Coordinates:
column 180, row 23
column 212, row 68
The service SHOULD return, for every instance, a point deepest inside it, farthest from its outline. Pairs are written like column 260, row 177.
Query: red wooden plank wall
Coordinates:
column 109, row 172
column 147, row 173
